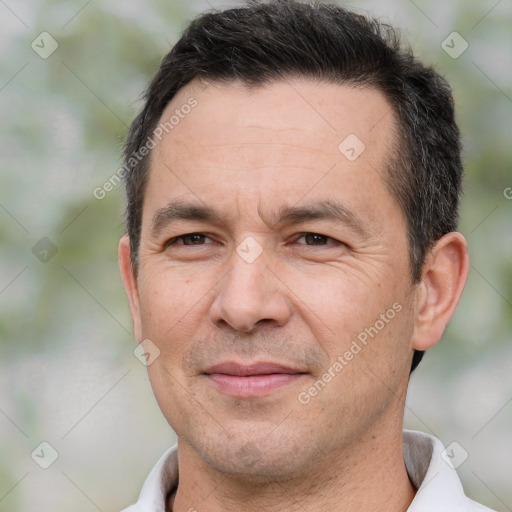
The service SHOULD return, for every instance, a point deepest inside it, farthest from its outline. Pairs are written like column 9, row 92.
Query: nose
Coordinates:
column 250, row 294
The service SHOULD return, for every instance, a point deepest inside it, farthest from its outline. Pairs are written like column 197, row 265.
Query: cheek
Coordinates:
column 172, row 302
column 368, row 367
column 339, row 302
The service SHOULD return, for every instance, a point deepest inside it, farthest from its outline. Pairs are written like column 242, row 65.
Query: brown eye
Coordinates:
column 188, row 239
column 315, row 239
column 193, row 239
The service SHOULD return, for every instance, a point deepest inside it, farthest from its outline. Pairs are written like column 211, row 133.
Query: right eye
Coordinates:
column 188, row 239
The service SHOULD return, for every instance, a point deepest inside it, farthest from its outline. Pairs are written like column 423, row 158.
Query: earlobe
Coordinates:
column 130, row 284
column 444, row 276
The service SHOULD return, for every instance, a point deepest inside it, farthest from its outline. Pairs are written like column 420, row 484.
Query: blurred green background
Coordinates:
column 68, row 375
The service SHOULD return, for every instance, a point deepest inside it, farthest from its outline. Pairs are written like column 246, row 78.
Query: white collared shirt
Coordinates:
column 439, row 487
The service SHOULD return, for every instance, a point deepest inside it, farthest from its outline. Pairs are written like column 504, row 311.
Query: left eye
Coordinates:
column 316, row 239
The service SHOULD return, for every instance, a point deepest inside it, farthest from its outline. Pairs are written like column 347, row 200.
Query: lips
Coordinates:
column 239, row 370
column 252, row 380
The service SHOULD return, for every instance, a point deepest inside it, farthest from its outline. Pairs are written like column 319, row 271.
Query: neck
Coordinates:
column 369, row 474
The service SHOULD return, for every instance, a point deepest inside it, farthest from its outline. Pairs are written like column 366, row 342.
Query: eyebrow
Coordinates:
column 324, row 210
column 286, row 215
column 180, row 210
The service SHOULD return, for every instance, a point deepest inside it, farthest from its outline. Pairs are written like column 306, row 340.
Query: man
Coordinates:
column 292, row 193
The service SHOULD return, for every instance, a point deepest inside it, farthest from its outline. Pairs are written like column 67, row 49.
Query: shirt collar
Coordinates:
column 438, row 486
column 162, row 479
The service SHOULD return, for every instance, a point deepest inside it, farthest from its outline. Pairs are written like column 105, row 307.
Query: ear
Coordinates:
column 130, row 284
column 444, row 274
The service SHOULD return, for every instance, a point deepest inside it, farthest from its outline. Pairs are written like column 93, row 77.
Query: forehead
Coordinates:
column 287, row 138
column 314, row 111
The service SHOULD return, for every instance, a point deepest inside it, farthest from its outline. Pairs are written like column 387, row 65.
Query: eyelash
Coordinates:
column 173, row 241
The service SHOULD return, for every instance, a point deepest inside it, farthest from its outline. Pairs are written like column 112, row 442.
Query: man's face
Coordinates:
column 274, row 275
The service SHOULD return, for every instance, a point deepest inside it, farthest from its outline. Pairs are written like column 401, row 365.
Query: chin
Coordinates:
column 256, row 455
